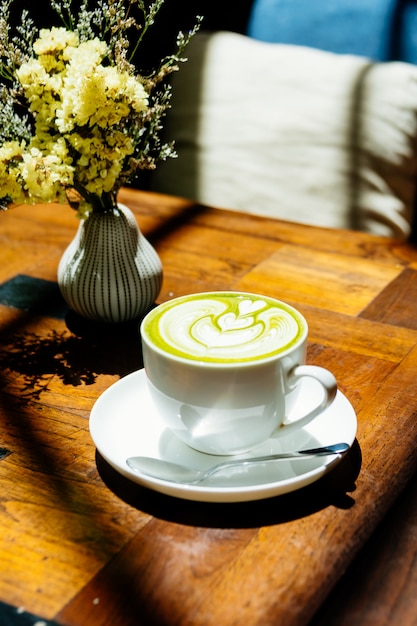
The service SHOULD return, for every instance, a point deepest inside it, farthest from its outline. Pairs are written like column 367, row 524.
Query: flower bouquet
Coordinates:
column 77, row 119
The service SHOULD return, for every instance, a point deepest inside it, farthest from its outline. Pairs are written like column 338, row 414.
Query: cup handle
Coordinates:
column 328, row 383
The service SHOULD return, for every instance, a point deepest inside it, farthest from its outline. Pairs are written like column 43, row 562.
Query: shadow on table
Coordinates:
column 76, row 358
column 333, row 489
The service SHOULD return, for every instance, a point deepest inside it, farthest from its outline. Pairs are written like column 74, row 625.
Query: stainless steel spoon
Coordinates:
column 173, row 472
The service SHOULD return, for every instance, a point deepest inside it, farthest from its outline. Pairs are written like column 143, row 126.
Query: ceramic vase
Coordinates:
column 110, row 272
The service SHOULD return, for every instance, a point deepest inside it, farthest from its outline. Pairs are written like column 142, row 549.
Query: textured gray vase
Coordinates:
column 110, row 272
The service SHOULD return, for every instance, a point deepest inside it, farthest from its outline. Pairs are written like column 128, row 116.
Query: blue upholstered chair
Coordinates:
column 382, row 30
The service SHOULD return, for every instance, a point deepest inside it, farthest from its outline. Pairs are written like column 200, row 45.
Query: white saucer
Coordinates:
column 124, row 423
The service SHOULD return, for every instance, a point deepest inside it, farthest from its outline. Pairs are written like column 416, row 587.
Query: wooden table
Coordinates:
column 83, row 546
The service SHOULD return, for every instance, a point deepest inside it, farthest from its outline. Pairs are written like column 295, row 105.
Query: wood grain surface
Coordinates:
column 83, row 546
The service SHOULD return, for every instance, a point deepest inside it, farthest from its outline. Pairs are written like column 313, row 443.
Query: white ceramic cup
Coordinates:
column 223, row 369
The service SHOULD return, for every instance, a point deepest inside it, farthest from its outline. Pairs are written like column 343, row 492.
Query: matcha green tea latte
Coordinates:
column 224, row 369
column 225, row 327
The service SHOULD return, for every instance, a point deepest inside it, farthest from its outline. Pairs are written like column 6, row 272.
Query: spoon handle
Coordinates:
column 337, row 448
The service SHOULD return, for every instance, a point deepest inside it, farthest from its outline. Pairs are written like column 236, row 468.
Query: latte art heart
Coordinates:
column 215, row 334
column 225, row 327
column 230, row 321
